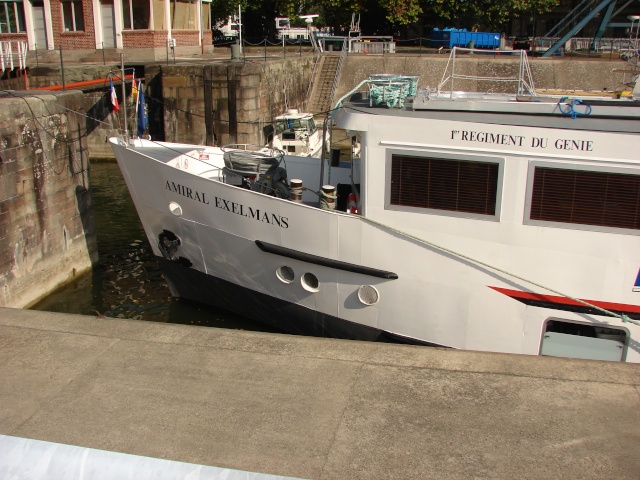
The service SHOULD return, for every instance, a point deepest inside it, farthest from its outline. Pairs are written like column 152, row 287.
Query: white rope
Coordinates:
column 623, row 317
column 327, row 201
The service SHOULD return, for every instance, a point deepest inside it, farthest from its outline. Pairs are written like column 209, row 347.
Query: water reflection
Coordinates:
column 127, row 282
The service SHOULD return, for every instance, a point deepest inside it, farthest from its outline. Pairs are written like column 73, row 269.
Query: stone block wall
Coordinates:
column 47, row 233
column 264, row 90
column 103, row 123
column 47, row 75
column 245, row 96
column 548, row 73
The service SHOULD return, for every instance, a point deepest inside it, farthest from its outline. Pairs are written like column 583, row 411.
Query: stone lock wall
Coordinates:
column 548, row 73
column 47, row 234
column 103, row 123
column 240, row 98
column 231, row 102
column 49, row 75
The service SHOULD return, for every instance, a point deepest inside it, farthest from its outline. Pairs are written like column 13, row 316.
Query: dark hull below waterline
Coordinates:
column 192, row 285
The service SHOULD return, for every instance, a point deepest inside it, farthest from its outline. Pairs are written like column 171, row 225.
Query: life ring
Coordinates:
column 352, row 204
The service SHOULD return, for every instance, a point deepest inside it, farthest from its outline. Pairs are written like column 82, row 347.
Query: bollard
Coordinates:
column 296, row 190
column 328, row 197
column 235, row 52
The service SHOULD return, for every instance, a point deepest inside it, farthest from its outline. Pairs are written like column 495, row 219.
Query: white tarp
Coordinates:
column 23, row 458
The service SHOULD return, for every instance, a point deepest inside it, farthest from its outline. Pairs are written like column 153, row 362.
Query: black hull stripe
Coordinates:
column 325, row 262
column 194, row 286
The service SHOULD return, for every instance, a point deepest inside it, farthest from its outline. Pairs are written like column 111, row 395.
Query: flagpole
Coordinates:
column 137, row 100
column 133, row 91
column 124, row 99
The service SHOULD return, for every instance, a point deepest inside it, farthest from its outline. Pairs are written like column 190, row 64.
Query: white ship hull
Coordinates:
column 234, row 243
column 487, row 224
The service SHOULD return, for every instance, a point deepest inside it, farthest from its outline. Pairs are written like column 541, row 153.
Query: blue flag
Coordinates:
column 142, row 112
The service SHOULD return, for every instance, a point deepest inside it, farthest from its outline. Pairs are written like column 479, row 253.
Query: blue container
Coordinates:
column 451, row 37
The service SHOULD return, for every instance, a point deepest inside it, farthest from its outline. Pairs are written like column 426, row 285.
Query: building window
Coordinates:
column 184, row 14
column 596, row 198
column 442, row 184
column 135, row 14
column 72, row 16
column 206, row 16
column 11, row 17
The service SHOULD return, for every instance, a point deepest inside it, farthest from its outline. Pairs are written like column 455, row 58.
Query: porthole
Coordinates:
column 285, row 274
column 310, row 282
column 175, row 209
column 368, row 294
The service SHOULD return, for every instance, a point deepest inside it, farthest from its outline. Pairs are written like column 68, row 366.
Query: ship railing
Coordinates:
column 521, row 81
column 373, row 45
column 575, row 44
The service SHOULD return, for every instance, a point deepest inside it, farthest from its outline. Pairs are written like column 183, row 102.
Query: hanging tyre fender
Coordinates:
column 168, row 243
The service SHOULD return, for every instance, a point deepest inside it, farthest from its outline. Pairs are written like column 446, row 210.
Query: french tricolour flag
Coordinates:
column 114, row 97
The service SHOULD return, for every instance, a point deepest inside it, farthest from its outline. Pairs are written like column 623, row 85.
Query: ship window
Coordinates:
column 307, row 124
column 586, row 197
column 310, row 282
column 281, row 126
column 575, row 340
column 285, row 274
column 310, row 125
column 453, row 185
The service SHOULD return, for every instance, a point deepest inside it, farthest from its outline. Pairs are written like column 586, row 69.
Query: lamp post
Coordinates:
column 240, row 27
column 633, row 38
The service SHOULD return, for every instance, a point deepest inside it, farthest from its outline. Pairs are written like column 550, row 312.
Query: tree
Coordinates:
column 401, row 12
column 382, row 16
column 490, row 15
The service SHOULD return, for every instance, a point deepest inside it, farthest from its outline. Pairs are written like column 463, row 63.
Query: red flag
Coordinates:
column 114, row 97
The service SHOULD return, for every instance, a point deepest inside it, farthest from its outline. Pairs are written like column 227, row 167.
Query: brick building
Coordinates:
column 146, row 26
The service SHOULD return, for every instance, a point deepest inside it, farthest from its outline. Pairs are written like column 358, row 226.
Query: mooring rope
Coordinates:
column 390, row 94
column 572, row 108
column 327, row 201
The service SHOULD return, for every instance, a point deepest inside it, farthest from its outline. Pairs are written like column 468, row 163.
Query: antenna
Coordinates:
column 309, row 18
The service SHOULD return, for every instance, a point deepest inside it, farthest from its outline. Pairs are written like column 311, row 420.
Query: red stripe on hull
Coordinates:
column 557, row 299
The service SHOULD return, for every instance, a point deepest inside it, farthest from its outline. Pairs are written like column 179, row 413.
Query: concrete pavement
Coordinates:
column 314, row 408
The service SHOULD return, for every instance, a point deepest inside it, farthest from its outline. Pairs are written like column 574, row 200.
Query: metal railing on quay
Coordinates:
column 13, row 54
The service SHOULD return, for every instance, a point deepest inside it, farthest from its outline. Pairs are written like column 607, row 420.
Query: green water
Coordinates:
column 127, row 282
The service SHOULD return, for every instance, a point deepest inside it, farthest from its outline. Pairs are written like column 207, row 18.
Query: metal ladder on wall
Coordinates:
column 336, row 78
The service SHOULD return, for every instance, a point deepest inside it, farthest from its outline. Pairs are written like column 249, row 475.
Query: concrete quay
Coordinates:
column 311, row 407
